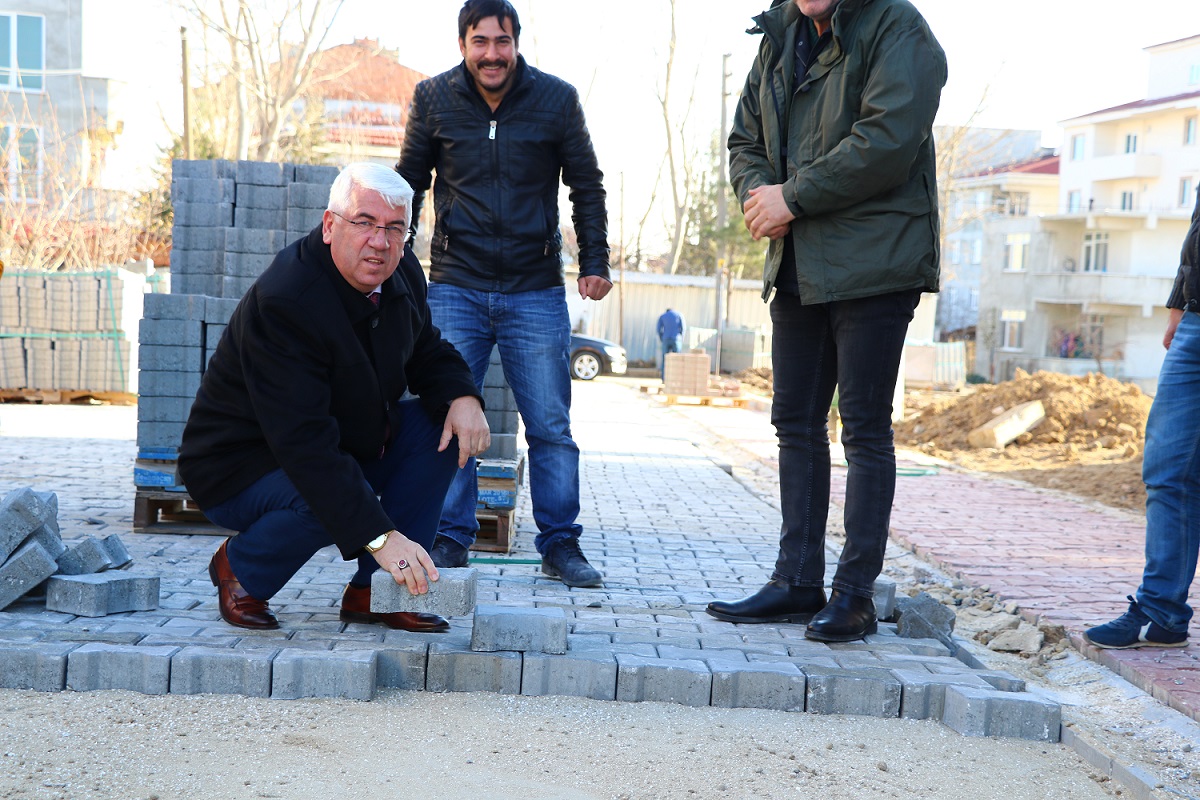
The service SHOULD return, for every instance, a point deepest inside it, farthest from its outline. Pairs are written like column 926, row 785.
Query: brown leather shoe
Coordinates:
column 236, row 605
column 356, row 607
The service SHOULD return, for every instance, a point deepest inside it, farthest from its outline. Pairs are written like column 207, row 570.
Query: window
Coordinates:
column 1012, row 329
column 1194, row 75
column 977, row 251
column 1095, row 252
column 1014, row 204
column 1074, row 201
column 974, row 299
column 22, row 51
column 1091, row 332
column 1131, row 143
column 1189, row 130
column 1016, row 252
column 1187, row 192
column 1127, row 201
column 955, row 247
column 1077, row 147
column 20, row 162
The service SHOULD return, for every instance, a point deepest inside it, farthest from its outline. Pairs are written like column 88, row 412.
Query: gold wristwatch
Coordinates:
column 376, row 544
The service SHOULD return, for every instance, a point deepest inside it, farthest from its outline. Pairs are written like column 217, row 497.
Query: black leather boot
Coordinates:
column 847, row 617
column 778, row 601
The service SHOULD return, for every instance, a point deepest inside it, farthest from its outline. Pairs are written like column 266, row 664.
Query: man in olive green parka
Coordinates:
column 832, row 157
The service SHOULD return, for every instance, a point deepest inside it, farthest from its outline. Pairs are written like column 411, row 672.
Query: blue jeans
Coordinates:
column 533, row 332
column 279, row 533
column 1171, row 471
column 854, row 345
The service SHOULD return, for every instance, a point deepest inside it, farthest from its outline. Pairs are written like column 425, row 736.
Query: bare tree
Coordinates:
column 679, row 159
column 259, row 75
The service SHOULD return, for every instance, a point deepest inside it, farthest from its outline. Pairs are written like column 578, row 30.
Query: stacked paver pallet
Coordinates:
column 501, row 468
column 231, row 218
column 69, row 331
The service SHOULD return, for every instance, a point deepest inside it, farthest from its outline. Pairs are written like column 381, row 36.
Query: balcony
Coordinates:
column 1098, row 289
column 1124, row 166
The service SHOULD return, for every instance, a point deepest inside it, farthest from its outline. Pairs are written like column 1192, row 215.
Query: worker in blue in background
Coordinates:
column 670, row 332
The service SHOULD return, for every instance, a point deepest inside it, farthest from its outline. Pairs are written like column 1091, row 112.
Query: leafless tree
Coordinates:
column 260, row 59
column 679, row 159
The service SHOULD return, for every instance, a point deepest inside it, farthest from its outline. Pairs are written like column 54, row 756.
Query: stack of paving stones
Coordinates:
column 231, row 218
column 501, row 411
column 77, row 580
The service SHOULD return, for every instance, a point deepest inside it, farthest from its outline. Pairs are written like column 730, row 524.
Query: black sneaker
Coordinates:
column 447, row 553
column 1134, row 629
column 565, row 562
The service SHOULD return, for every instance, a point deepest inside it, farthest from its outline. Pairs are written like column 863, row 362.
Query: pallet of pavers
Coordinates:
column 499, row 488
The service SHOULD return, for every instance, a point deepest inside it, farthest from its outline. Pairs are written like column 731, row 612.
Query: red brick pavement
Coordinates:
column 1062, row 560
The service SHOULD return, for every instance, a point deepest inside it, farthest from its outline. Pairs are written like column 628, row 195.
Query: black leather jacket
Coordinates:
column 1186, row 291
column 496, row 193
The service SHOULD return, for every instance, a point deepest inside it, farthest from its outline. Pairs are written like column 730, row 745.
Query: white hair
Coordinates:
column 376, row 178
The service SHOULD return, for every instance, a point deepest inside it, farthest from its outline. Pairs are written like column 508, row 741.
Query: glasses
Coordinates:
column 394, row 233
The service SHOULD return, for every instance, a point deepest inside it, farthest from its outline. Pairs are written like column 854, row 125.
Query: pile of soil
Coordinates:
column 1089, row 444
column 759, row 380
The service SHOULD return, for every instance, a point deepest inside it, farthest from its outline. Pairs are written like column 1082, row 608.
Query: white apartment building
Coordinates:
column 1083, row 288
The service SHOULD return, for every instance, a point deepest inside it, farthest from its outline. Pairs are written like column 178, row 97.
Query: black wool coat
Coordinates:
column 305, row 378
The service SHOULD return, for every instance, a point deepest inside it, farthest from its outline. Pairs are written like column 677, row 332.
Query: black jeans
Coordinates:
column 856, row 346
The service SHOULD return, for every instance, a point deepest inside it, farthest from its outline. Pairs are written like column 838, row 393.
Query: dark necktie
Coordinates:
column 374, row 298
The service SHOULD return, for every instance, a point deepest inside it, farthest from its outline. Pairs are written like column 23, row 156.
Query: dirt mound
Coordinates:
column 758, row 379
column 1089, row 412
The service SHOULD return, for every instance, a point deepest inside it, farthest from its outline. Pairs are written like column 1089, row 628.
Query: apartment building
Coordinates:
column 1081, row 287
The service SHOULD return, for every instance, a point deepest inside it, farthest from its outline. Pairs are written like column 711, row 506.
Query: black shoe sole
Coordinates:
column 799, row 619
column 820, row 636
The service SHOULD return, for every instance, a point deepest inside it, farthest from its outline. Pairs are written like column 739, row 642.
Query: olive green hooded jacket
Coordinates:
column 860, row 172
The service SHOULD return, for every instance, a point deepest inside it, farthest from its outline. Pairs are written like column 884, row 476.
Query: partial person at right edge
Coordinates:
column 1160, row 614
column 500, row 134
column 832, row 157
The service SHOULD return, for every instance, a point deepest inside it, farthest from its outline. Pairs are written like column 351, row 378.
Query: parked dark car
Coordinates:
column 591, row 357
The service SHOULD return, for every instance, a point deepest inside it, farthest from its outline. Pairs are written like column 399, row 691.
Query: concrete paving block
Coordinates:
column 264, row 173
column 663, row 680
column 322, row 673
column 21, row 513
column 210, row 239
column 246, row 265
column 201, row 190
column 41, row 666
column 97, row 665
column 885, row 597
column 269, row 218
column 49, row 510
column 987, row 712
column 117, row 553
column 249, row 195
column 221, row 670
column 999, row 680
column 864, row 691
column 202, row 168
column 923, row 694
column 173, row 306
column 178, row 358
column 540, row 630
column 452, row 595
column 262, row 242
column 399, row 664
column 235, row 287
column 170, row 331
column 159, row 434
column 85, row 557
column 207, row 215
column 168, row 383
column 763, row 684
column 498, row 398
column 102, row 593
column 23, row 571
column 49, row 539
column 924, row 617
column 308, row 195
column 303, row 219
column 163, row 409
column 504, row 445
column 576, row 674
column 456, row 668
column 315, row 173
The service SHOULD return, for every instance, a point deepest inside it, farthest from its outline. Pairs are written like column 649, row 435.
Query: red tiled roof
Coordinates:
column 363, row 71
column 1136, row 104
column 1042, row 165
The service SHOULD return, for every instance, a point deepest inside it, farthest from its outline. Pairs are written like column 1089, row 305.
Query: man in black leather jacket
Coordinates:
column 500, row 133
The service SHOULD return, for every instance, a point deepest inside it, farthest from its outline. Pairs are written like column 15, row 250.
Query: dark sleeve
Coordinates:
column 749, row 164
column 416, row 157
column 1189, row 260
column 899, row 102
column 288, row 371
column 581, row 173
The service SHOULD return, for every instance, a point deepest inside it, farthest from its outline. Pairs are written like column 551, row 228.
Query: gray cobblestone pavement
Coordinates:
column 665, row 520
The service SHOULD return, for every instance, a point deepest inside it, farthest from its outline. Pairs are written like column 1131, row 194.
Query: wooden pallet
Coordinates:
column 717, row 400
column 157, row 510
column 63, row 396
column 495, row 530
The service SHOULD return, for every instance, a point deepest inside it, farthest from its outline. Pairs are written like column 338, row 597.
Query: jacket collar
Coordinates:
column 774, row 24
column 313, row 250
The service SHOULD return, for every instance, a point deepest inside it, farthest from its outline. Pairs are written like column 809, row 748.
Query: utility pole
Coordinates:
column 187, row 98
column 722, row 214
